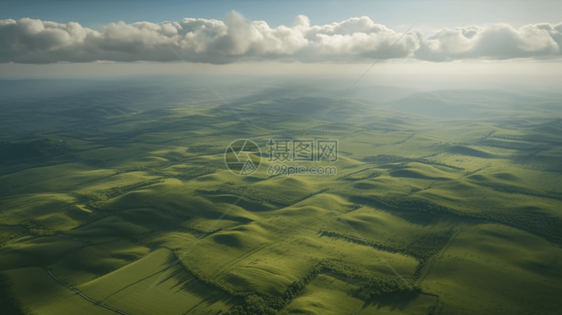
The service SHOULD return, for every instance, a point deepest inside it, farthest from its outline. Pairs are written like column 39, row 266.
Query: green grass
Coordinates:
column 466, row 210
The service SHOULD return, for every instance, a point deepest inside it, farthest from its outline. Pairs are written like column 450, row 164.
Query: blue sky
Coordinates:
column 391, row 13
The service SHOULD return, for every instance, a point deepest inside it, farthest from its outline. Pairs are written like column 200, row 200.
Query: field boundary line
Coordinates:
column 178, row 260
column 84, row 296
column 384, row 261
column 433, row 260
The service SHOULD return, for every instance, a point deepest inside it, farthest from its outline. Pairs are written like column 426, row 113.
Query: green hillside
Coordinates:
column 137, row 213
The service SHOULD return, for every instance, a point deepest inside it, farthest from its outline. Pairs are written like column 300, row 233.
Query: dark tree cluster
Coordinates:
column 9, row 304
column 547, row 227
column 384, row 287
column 428, row 246
column 253, row 305
column 36, row 227
column 118, row 191
column 373, row 286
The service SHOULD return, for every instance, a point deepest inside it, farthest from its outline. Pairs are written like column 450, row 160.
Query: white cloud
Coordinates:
column 496, row 42
column 238, row 39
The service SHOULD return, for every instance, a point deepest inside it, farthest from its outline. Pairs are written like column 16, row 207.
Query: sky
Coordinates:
column 433, row 14
column 462, row 38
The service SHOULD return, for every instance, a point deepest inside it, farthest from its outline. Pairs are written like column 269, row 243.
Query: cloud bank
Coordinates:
column 237, row 39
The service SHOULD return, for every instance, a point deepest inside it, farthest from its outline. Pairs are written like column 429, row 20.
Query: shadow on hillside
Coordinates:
column 244, row 203
column 394, row 301
column 415, row 217
column 419, row 218
column 190, row 283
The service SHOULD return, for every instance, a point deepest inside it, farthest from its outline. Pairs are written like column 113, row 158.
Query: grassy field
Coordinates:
column 135, row 212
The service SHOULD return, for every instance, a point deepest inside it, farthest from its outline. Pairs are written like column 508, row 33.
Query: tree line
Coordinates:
column 545, row 226
column 9, row 304
column 256, row 303
column 422, row 248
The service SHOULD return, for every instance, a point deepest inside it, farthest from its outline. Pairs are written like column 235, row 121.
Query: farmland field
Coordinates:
column 125, row 205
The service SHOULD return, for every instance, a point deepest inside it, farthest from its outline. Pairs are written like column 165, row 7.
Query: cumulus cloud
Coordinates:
column 500, row 41
column 238, row 39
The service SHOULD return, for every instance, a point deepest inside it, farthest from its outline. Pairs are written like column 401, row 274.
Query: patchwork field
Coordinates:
column 128, row 208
